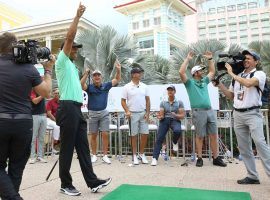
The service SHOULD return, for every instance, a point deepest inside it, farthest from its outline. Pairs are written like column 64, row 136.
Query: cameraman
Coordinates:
column 16, row 123
column 248, row 119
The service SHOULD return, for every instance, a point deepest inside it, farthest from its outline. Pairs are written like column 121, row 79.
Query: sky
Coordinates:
column 100, row 12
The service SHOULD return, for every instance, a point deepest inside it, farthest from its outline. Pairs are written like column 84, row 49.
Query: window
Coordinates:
column 232, row 20
column 244, row 40
column 146, row 51
column 221, row 9
column 146, row 23
column 266, row 36
column 241, row 6
column 242, row 18
column 222, row 34
column 202, row 31
column 223, row 40
column 173, row 48
column 231, row 8
column 252, row 5
column 233, row 40
column 253, row 17
column 221, row 21
column 146, row 44
column 135, row 25
column 255, row 37
column 212, row 35
column 202, row 36
column 243, row 26
column 212, row 22
column 254, row 24
column 265, row 15
column 265, row 23
column 266, row 30
column 255, row 30
column 222, row 28
column 233, row 33
column 212, row 30
column 201, row 24
column 157, row 21
column 212, row 11
column 233, row 27
column 243, row 33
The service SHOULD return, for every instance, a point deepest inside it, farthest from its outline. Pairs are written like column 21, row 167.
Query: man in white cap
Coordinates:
column 99, row 119
column 203, row 117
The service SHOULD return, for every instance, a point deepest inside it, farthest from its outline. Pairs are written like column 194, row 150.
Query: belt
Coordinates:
column 72, row 102
column 198, row 109
column 15, row 116
column 246, row 109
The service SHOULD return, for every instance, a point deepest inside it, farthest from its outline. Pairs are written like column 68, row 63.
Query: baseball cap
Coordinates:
column 73, row 45
column 252, row 53
column 171, row 87
column 96, row 72
column 196, row 68
column 136, row 70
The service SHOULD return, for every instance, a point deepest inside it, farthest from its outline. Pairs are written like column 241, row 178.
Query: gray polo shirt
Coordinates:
column 169, row 108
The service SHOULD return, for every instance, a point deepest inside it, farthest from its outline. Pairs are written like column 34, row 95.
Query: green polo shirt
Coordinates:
column 67, row 76
column 198, row 92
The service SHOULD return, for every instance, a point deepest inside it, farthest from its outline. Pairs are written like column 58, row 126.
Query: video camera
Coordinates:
column 28, row 51
column 236, row 61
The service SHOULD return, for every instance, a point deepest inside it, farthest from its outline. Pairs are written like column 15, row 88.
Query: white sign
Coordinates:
column 84, row 107
column 158, row 93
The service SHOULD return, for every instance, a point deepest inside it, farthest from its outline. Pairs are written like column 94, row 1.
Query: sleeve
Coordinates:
column 162, row 104
column 181, row 104
column 187, row 83
column 124, row 92
column 260, row 75
column 108, row 86
column 206, row 79
column 61, row 61
column 35, row 76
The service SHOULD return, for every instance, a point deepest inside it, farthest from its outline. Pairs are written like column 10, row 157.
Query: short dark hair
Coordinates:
column 6, row 41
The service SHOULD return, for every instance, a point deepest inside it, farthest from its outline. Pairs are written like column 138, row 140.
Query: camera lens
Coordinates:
column 43, row 53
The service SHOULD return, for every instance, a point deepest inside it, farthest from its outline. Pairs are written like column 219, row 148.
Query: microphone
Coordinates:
column 224, row 55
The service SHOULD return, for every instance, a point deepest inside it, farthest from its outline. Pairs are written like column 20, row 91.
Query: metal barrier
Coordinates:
column 225, row 133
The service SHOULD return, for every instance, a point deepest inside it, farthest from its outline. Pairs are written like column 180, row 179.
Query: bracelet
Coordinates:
column 210, row 58
column 48, row 72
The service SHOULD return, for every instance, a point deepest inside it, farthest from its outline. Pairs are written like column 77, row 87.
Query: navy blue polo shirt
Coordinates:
column 98, row 96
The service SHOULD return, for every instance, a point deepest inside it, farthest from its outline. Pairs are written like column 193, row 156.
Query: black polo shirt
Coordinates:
column 16, row 82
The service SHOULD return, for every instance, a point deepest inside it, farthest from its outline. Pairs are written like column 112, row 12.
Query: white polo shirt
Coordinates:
column 248, row 97
column 135, row 96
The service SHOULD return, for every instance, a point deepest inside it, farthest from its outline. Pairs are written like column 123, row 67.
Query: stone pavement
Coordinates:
column 34, row 186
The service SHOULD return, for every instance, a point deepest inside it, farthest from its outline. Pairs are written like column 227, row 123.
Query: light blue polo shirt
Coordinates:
column 68, row 79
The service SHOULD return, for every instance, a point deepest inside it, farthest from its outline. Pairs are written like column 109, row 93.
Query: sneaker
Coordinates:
column 106, row 159
column 101, row 184
column 219, row 162
column 32, row 160
column 175, row 147
column 135, row 160
column 41, row 160
column 71, row 191
column 199, row 162
column 142, row 157
column 94, row 158
column 248, row 180
column 154, row 162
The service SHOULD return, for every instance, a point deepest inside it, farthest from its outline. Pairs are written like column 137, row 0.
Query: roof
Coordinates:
column 183, row 3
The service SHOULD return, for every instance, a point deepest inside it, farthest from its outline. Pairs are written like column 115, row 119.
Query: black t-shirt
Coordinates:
column 16, row 82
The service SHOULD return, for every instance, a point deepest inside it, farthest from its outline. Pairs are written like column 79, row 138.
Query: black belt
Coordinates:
column 246, row 109
column 15, row 116
column 198, row 109
column 72, row 102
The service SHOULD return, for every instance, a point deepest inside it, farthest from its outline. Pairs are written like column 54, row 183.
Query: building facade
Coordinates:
column 233, row 21
column 157, row 26
column 10, row 17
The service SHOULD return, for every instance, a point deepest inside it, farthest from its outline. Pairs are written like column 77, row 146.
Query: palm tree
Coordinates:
column 101, row 49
